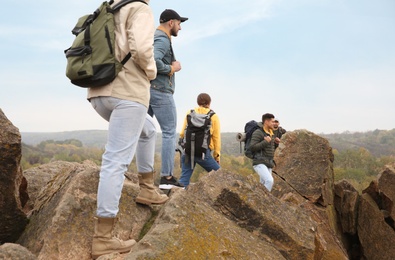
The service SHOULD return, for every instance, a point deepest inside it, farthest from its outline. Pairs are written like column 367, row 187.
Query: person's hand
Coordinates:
column 277, row 140
column 180, row 142
column 176, row 65
column 216, row 157
column 268, row 139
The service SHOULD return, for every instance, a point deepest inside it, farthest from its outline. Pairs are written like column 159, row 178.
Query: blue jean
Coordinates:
column 131, row 131
column 162, row 105
column 265, row 175
column 208, row 163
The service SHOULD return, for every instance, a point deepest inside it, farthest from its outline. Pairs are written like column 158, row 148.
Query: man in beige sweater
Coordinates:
column 124, row 104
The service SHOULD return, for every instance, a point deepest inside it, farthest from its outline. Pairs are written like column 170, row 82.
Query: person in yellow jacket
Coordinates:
column 207, row 161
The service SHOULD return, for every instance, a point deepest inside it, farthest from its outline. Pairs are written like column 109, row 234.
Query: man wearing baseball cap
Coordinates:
column 170, row 14
column 162, row 103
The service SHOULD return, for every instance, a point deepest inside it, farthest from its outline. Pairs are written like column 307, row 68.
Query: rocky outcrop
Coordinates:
column 376, row 229
column 347, row 201
column 376, row 236
column 304, row 163
column 367, row 220
column 61, row 222
column 364, row 224
column 304, row 178
column 12, row 184
column 38, row 177
column 223, row 216
column 227, row 216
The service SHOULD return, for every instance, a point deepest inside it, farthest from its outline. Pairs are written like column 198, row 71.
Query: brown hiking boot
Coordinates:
column 148, row 194
column 103, row 241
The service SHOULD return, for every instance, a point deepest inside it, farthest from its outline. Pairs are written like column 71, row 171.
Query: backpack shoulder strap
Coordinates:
column 263, row 131
column 116, row 8
column 260, row 128
column 122, row 3
column 265, row 134
column 190, row 115
column 210, row 113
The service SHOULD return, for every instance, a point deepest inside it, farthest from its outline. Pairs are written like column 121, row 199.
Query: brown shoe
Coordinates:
column 148, row 194
column 103, row 241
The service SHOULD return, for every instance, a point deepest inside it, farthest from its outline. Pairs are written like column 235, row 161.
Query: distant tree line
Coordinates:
column 359, row 157
column 70, row 150
column 377, row 142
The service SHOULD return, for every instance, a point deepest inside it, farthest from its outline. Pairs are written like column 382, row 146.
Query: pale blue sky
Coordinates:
column 323, row 65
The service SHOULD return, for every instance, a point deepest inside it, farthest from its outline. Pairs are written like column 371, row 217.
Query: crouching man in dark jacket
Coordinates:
column 262, row 145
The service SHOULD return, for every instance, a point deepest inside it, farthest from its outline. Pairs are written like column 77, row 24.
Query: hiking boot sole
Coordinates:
column 166, row 186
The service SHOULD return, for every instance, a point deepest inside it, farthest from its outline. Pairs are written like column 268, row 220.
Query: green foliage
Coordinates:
column 349, row 174
column 359, row 159
column 359, row 166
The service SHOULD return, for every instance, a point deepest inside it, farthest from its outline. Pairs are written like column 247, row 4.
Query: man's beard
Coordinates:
column 173, row 32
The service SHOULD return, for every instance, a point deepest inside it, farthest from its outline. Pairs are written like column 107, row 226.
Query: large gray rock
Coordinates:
column 304, row 178
column 12, row 184
column 38, row 178
column 305, row 163
column 225, row 215
column 62, row 220
column 376, row 229
column 376, row 236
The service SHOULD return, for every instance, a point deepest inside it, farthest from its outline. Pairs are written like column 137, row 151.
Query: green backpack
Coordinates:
column 91, row 58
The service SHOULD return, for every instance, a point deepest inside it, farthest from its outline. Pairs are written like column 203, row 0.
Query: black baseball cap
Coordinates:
column 169, row 14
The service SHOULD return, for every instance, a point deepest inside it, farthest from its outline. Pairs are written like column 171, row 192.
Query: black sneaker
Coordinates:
column 167, row 184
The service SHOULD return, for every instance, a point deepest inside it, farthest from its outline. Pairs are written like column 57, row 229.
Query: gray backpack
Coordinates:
column 197, row 135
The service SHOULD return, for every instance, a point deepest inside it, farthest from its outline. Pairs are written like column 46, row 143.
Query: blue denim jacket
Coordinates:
column 164, row 56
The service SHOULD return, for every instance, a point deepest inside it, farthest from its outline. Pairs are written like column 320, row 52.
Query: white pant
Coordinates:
column 265, row 175
column 131, row 131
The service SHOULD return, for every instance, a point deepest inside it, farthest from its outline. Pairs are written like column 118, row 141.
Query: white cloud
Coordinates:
column 222, row 18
